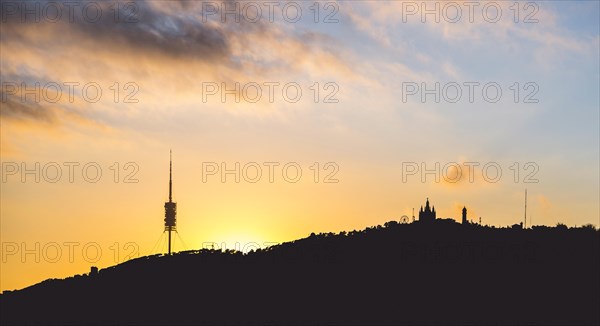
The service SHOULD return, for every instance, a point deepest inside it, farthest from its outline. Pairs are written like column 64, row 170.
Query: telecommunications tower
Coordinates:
column 170, row 206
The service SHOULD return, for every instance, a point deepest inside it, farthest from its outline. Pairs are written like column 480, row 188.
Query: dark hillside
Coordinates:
column 417, row 274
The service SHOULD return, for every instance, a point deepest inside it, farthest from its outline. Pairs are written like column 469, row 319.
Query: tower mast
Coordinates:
column 170, row 175
column 170, row 190
column 170, row 206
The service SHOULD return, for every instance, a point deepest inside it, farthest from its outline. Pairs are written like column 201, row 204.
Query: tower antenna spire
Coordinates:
column 170, row 175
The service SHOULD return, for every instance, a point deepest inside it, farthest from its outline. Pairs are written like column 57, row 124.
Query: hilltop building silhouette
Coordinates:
column 427, row 215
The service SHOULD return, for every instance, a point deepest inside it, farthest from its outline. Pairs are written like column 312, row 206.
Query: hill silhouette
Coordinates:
column 441, row 273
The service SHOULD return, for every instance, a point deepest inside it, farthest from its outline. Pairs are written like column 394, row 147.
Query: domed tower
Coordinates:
column 464, row 215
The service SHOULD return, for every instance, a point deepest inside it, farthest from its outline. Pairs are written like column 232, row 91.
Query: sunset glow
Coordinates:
column 334, row 124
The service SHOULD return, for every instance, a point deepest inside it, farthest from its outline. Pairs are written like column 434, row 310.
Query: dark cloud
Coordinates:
column 13, row 108
column 32, row 106
column 138, row 24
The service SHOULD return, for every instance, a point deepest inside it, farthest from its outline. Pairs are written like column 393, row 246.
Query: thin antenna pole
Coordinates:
column 170, row 175
column 525, row 208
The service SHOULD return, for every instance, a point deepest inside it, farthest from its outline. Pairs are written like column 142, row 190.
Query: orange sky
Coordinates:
column 162, row 66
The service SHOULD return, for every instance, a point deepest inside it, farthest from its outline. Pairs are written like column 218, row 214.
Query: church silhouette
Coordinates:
column 428, row 214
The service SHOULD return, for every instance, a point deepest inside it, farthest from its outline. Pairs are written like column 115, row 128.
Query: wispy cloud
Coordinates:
column 167, row 52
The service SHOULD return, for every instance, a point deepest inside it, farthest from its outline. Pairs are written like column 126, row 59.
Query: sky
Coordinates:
column 286, row 118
